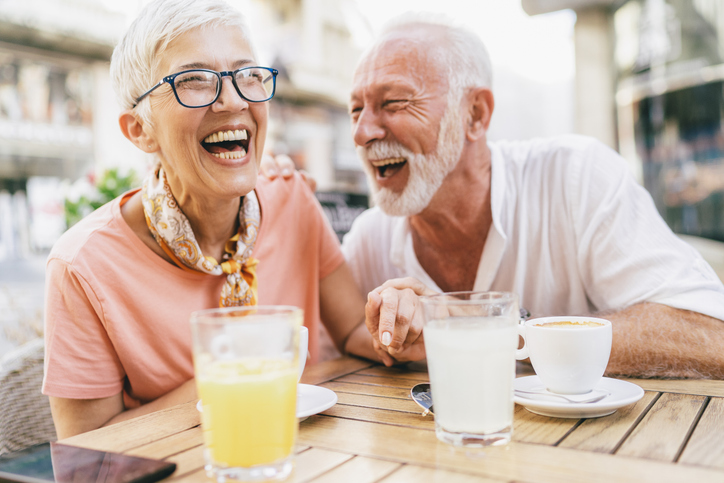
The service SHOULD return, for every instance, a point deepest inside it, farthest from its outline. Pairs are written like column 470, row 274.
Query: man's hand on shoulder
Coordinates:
column 282, row 165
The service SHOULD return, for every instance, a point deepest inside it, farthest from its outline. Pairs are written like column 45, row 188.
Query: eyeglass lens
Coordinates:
column 197, row 88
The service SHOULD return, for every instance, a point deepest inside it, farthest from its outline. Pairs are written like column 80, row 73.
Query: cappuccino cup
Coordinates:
column 569, row 354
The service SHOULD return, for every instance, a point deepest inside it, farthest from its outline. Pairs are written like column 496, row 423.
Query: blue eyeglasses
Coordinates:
column 201, row 87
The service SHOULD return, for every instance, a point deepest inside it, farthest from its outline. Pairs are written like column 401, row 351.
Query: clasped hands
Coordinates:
column 394, row 319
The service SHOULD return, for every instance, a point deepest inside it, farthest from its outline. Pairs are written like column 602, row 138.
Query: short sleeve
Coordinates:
column 330, row 253
column 627, row 253
column 80, row 360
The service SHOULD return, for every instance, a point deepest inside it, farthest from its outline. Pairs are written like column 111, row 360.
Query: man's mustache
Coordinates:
column 383, row 150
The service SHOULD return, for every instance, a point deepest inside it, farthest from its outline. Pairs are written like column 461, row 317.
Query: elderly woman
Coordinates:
column 200, row 233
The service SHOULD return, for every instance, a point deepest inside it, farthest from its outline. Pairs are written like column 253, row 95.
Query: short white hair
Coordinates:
column 464, row 55
column 135, row 59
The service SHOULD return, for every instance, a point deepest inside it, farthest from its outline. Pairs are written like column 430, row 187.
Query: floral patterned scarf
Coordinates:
column 173, row 232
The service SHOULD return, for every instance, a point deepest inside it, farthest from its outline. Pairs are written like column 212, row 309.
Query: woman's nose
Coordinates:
column 229, row 99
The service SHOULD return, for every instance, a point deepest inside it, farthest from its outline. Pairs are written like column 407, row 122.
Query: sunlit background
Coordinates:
column 643, row 76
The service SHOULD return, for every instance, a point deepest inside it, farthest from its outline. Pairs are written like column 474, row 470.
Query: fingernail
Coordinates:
column 286, row 172
column 271, row 172
column 386, row 338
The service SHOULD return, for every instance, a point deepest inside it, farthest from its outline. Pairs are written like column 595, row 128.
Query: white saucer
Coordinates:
column 623, row 393
column 313, row 400
column 310, row 400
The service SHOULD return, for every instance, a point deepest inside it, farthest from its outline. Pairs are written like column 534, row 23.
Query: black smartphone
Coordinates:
column 60, row 463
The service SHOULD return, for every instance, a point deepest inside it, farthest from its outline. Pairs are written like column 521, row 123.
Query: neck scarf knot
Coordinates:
column 172, row 231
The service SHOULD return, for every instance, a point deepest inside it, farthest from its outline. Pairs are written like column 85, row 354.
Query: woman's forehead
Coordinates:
column 222, row 47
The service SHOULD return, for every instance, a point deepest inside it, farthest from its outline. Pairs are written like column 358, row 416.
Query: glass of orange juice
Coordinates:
column 246, row 363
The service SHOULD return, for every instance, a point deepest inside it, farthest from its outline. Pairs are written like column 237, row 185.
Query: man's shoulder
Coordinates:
column 374, row 219
column 372, row 225
column 549, row 147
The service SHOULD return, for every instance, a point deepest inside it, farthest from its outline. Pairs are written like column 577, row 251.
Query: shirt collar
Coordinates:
column 402, row 252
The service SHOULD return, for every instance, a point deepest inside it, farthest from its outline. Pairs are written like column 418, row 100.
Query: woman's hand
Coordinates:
column 394, row 318
column 282, row 165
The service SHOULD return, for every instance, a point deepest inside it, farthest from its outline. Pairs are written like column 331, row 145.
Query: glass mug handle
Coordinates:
column 522, row 353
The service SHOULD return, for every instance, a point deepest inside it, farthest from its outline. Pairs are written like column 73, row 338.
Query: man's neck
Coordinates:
column 449, row 235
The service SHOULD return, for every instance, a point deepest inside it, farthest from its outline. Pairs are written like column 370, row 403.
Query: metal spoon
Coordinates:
column 542, row 395
column 423, row 397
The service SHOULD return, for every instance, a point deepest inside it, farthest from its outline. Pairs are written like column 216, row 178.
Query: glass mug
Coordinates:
column 246, row 363
column 470, row 342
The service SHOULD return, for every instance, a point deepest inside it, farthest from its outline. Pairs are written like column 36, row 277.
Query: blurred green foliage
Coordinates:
column 108, row 186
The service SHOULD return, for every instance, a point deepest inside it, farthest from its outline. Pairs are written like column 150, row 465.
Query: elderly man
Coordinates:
column 559, row 221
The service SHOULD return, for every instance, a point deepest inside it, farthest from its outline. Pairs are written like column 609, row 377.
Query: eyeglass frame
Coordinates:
column 171, row 80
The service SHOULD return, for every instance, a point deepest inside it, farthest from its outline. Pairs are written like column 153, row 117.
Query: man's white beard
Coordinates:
column 427, row 171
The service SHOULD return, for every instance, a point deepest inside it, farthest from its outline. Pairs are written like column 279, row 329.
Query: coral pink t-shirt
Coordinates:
column 117, row 315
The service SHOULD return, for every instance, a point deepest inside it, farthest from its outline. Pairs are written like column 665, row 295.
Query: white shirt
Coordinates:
column 573, row 233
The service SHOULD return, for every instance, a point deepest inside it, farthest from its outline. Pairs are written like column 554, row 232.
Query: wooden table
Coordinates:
column 377, row 433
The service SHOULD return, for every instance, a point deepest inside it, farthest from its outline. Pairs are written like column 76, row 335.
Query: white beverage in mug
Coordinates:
column 470, row 342
column 470, row 366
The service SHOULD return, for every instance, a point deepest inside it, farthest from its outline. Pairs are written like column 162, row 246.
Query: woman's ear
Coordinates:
column 480, row 110
column 137, row 131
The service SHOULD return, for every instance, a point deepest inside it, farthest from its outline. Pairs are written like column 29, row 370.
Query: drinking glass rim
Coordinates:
column 449, row 297
column 215, row 315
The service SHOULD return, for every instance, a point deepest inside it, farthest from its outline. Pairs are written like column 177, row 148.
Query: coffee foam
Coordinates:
column 571, row 324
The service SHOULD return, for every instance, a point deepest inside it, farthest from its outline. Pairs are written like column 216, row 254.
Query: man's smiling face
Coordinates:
column 407, row 135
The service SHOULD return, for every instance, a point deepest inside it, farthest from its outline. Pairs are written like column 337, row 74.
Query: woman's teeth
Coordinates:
column 231, row 154
column 221, row 136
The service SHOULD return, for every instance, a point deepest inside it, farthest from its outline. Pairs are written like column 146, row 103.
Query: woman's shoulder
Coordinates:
column 89, row 234
column 282, row 193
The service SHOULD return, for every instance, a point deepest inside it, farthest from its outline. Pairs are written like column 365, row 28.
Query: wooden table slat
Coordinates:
column 382, row 416
column 428, row 475
column 176, row 443
column 604, row 435
column 367, row 389
column 198, row 476
column 328, row 370
column 315, row 462
column 529, row 427
column 377, row 433
column 188, row 461
column 399, row 372
column 706, row 445
column 662, row 432
column 146, row 429
column 358, row 470
column 378, row 402
column 703, row 387
column 405, row 384
column 516, row 461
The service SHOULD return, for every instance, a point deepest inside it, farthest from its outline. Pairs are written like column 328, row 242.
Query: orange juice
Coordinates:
column 249, row 410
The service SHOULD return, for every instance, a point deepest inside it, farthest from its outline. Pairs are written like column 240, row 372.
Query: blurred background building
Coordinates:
column 644, row 76
column 650, row 83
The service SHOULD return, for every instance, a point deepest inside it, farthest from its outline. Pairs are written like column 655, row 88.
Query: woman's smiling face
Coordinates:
column 197, row 164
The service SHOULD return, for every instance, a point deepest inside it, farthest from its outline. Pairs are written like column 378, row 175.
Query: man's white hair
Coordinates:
column 464, row 54
column 135, row 60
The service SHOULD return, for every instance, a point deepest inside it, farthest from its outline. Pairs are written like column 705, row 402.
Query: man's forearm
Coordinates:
column 654, row 340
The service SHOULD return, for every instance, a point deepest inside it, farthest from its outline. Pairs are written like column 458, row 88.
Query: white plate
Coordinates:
column 313, row 400
column 310, row 400
column 623, row 393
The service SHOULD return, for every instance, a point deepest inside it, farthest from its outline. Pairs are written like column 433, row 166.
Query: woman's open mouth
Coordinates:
column 387, row 168
column 227, row 144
